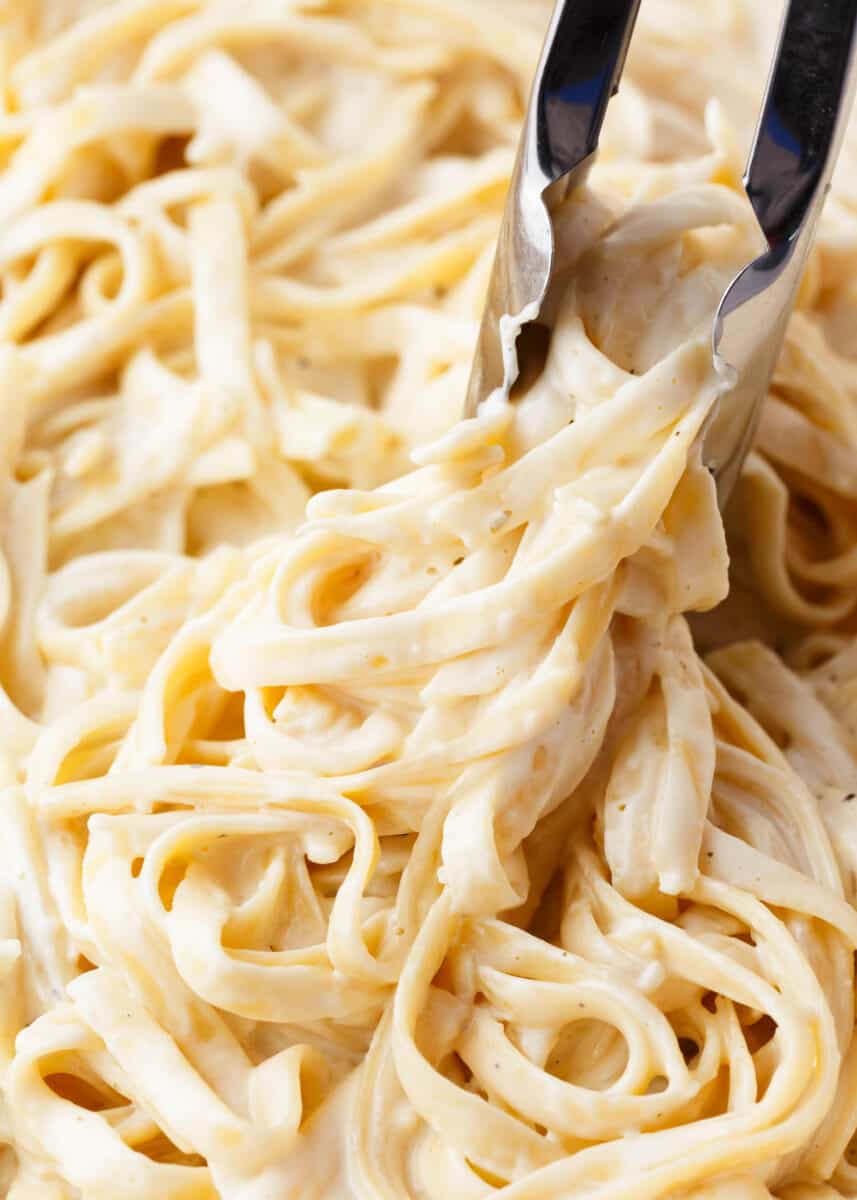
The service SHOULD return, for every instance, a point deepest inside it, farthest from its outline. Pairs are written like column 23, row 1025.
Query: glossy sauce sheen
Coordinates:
column 371, row 827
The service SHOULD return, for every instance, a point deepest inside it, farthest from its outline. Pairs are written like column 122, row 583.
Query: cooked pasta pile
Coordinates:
column 372, row 827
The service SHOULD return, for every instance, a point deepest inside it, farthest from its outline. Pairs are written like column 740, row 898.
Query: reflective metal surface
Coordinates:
column 582, row 60
column 804, row 114
column 806, row 106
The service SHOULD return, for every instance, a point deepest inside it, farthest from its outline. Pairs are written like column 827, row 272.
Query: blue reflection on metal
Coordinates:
column 582, row 92
column 782, row 136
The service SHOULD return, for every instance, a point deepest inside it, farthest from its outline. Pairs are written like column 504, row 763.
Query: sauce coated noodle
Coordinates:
column 372, row 827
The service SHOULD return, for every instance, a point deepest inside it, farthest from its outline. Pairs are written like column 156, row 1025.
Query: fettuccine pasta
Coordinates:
column 375, row 826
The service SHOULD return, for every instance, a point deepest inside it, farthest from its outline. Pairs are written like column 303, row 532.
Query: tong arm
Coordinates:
column 579, row 71
column 804, row 115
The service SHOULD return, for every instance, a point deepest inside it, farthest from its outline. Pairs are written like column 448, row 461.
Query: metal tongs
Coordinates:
column 804, row 114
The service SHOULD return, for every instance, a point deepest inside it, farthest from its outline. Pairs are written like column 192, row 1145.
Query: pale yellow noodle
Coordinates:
column 373, row 826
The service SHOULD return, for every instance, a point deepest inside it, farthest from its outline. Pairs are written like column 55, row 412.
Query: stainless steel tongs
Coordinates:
column 804, row 114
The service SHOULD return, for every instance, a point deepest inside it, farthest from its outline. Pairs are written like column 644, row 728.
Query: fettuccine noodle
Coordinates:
column 374, row 827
